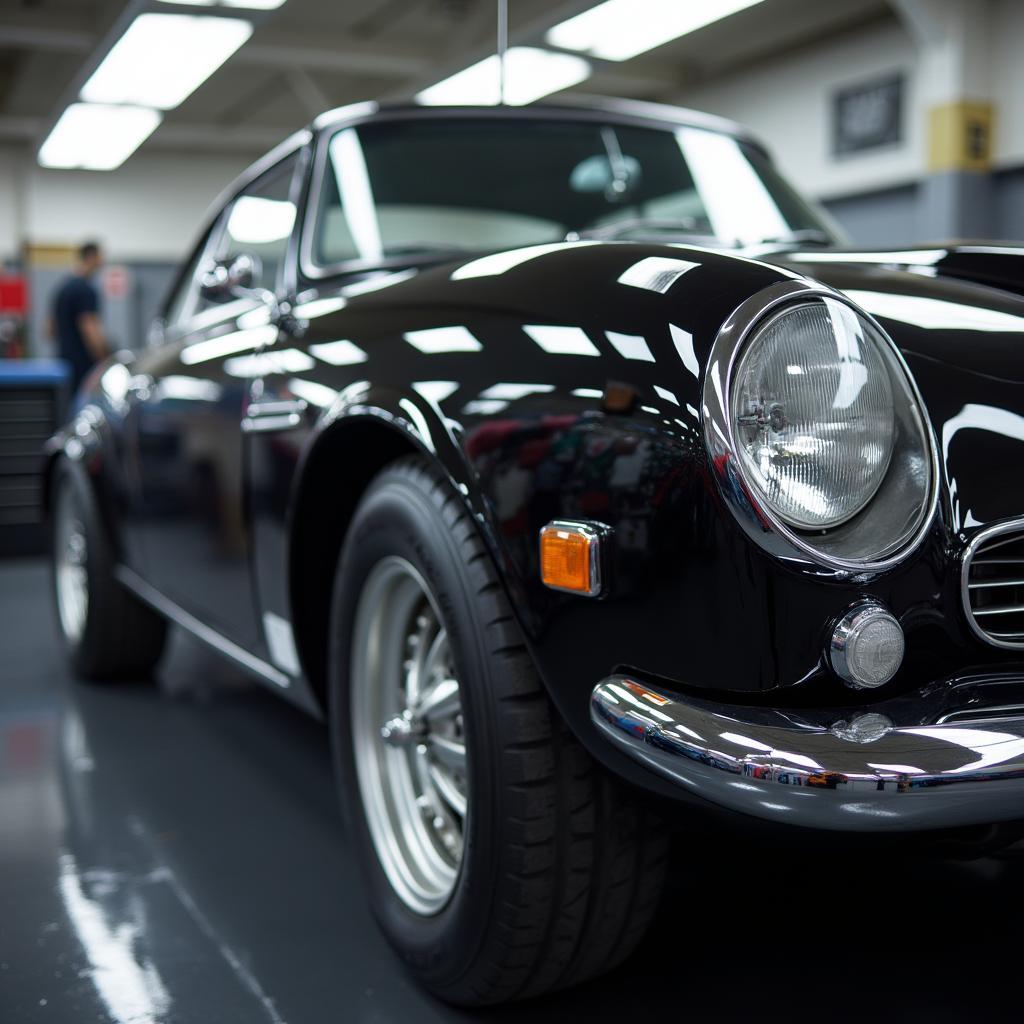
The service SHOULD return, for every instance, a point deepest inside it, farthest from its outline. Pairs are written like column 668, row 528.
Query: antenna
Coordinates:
column 502, row 47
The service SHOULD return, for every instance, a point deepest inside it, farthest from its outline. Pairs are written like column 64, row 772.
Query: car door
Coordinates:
column 192, row 518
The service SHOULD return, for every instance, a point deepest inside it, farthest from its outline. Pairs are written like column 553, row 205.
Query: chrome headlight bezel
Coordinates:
column 760, row 521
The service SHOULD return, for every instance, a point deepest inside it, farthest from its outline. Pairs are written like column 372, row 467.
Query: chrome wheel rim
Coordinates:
column 71, row 558
column 408, row 735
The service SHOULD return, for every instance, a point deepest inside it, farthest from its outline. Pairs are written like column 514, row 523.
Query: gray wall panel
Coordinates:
column 889, row 217
column 1009, row 204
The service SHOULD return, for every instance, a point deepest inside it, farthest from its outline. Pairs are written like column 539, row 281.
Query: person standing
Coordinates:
column 76, row 324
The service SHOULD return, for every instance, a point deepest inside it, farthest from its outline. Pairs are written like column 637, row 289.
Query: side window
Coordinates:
column 179, row 308
column 259, row 223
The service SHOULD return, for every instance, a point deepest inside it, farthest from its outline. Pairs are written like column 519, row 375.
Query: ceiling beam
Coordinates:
column 213, row 138
column 468, row 49
column 45, row 38
column 338, row 59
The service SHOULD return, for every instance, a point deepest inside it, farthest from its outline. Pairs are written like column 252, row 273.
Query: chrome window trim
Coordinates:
column 983, row 535
column 761, row 523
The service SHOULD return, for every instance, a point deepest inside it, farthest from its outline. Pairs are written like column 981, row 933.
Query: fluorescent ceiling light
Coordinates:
column 163, row 58
column 96, row 137
column 252, row 5
column 529, row 74
column 620, row 29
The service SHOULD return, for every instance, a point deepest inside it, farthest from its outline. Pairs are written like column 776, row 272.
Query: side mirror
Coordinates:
column 236, row 278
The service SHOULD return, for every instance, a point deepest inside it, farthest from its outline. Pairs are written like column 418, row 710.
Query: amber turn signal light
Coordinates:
column 570, row 557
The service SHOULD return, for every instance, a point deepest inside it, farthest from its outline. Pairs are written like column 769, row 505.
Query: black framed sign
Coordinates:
column 868, row 116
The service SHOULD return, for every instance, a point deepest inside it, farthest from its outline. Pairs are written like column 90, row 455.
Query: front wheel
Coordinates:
column 502, row 862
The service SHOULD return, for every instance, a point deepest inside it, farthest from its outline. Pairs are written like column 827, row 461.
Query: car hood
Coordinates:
column 960, row 305
column 957, row 314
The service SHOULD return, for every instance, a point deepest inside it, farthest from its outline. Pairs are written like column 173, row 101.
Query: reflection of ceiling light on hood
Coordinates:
column 310, row 391
column 562, row 341
column 501, row 262
column 443, row 339
column 163, row 58
column 339, row 353
column 319, row 307
column 620, row 29
column 263, row 364
column 511, row 392
column 630, row 346
column 435, row 391
column 484, row 407
column 228, row 344
column 656, row 273
column 939, row 314
column 530, row 73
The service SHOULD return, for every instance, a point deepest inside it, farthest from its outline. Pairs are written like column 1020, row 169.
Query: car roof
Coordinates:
column 588, row 108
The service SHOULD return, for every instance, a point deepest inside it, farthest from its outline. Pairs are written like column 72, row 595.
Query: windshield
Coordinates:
column 405, row 188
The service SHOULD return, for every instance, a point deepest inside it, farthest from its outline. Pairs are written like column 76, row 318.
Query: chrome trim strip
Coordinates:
column 862, row 774
column 265, row 424
column 761, row 524
column 221, row 644
column 279, row 407
column 966, row 560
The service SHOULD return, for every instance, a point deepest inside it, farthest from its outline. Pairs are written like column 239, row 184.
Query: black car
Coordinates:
column 564, row 462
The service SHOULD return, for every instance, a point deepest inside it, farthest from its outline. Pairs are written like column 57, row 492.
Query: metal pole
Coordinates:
column 502, row 47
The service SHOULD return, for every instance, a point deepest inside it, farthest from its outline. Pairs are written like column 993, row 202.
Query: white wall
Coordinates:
column 1008, row 82
column 787, row 101
column 148, row 209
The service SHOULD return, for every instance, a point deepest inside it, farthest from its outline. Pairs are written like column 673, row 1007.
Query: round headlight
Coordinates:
column 812, row 411
column 826, row 432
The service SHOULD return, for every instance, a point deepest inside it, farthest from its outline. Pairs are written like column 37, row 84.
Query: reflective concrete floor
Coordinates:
column 171, row 852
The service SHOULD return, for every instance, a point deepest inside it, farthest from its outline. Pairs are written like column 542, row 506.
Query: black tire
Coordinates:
column 562, row 868
column 121, row 637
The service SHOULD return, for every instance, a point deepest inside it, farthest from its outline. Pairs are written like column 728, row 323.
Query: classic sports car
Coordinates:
column 563, row 461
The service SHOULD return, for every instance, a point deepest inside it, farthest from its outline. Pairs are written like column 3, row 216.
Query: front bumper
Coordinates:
column 949, row 755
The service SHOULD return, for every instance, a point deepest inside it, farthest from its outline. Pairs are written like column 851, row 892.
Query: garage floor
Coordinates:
column 173, row 853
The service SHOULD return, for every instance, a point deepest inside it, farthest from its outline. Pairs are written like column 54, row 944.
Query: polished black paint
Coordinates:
column 528, row 432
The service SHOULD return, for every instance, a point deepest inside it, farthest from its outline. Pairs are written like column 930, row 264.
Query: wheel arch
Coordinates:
column 348, row 451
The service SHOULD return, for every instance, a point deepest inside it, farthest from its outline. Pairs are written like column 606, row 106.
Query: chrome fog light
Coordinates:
column 867, row 646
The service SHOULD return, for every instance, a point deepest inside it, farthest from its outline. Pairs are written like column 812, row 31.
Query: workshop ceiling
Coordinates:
column 310, row 55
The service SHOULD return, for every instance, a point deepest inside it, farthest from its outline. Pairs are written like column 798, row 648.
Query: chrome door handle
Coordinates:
column 282, row 414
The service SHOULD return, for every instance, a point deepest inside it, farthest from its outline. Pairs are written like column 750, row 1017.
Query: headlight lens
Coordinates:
column 813, row 416
column 828, row 433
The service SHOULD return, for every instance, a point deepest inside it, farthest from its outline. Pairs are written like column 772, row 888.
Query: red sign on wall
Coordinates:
column 115, row 282
column 13, row 294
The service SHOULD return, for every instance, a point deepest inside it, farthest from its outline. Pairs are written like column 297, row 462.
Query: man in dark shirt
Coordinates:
column 81, row 341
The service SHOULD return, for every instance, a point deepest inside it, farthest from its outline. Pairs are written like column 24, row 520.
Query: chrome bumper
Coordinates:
column 854, row 770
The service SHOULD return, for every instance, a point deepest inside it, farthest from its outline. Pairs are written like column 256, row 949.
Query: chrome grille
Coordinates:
column 993, row 584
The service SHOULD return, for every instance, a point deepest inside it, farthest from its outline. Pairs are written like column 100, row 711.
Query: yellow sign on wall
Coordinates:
column 960, row 136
